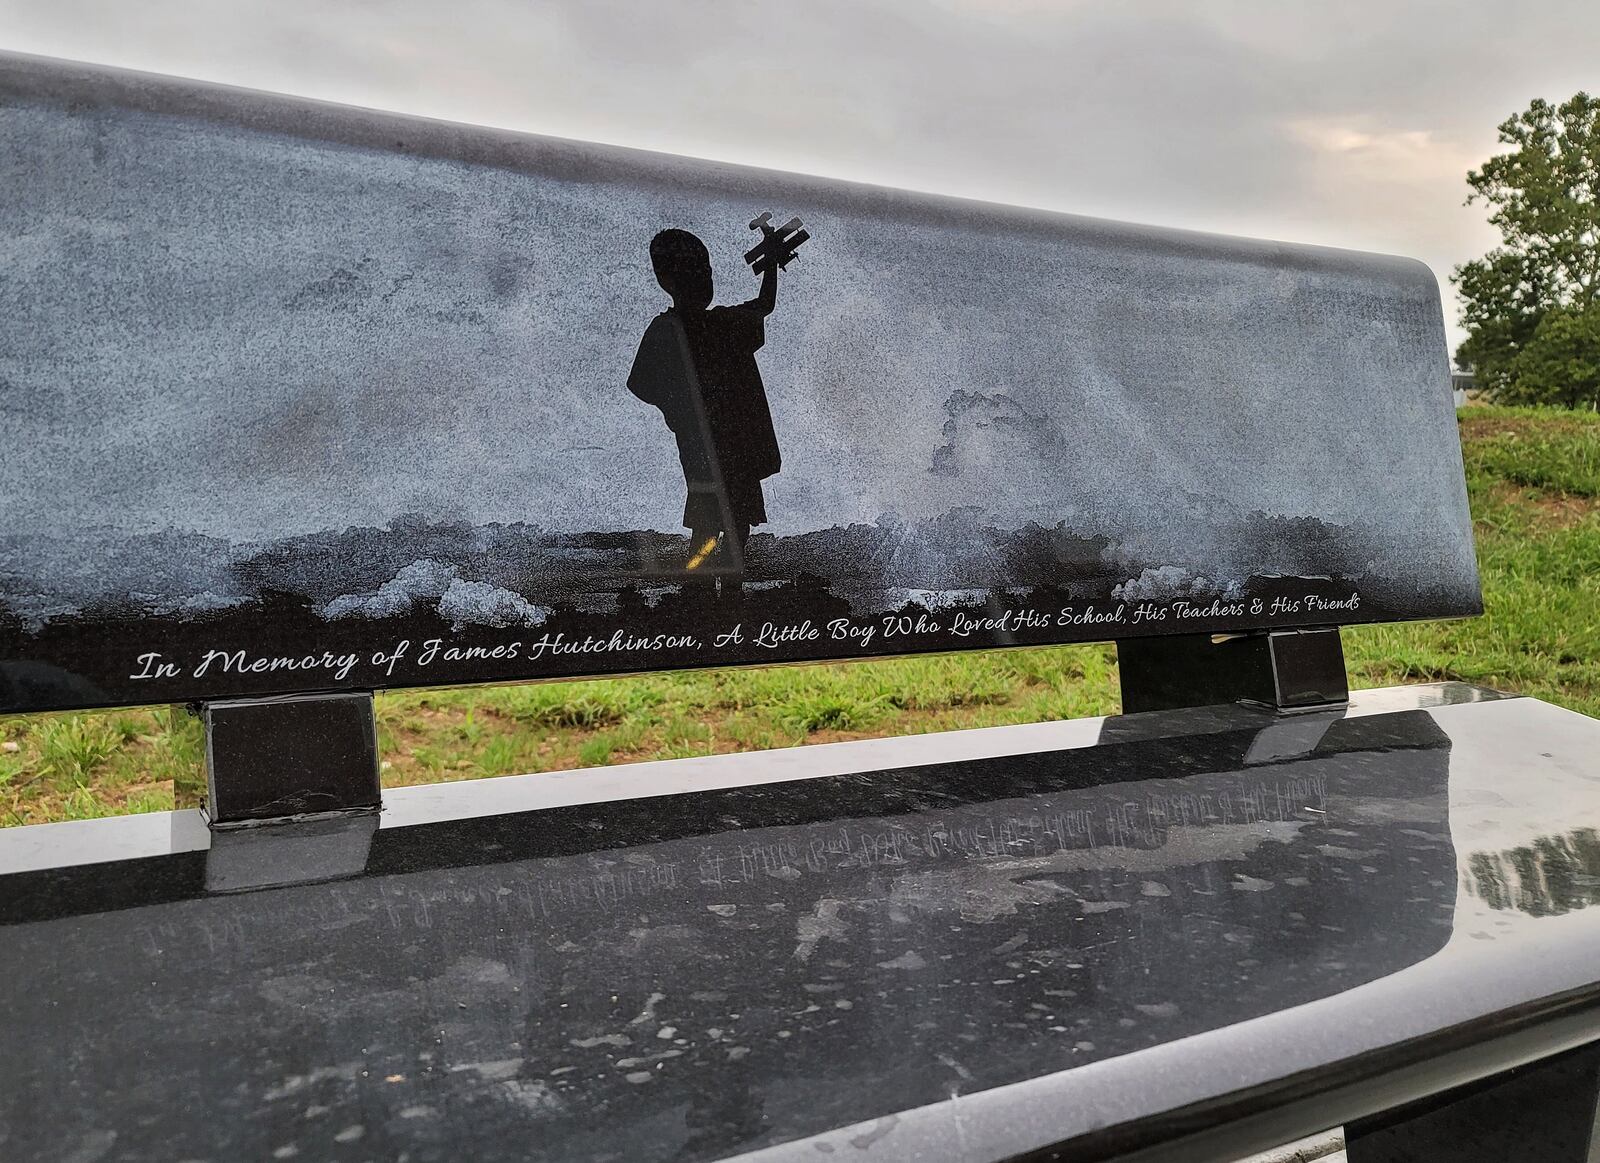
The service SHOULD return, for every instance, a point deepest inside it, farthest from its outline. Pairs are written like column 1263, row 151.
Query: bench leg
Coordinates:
column 1544, row 1111
column 270, row 759
column 1286, row 669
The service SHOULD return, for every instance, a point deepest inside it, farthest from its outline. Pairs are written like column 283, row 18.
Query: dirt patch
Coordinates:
column 1493, row 427
column 1564, row 510
column 1547, row 510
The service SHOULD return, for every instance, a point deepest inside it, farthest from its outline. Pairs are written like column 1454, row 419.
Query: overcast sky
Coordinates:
column 1349, row 123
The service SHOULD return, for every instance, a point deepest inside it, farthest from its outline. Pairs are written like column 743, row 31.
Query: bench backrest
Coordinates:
column 301, row 397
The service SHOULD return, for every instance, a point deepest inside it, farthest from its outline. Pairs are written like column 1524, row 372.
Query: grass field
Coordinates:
column 1534, row 479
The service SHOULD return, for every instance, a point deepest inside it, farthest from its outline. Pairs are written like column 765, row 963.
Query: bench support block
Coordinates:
column 275, row 759
column 1287, row 669
column 1544, row 1110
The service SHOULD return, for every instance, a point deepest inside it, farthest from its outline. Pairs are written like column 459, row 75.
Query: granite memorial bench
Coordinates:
column 304, row 402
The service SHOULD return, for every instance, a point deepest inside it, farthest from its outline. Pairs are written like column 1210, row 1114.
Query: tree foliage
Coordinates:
column 1560, row 363
column 1531, row 306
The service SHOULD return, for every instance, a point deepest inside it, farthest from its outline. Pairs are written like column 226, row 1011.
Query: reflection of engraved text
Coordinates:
column 1106, row 828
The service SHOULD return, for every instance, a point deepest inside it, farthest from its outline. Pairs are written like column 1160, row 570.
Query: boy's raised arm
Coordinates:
column 767, row 298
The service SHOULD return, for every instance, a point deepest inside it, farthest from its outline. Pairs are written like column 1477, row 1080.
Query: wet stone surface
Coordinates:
column 689, row 976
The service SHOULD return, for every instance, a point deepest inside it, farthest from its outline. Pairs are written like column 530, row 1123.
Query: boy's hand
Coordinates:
column 769, row 248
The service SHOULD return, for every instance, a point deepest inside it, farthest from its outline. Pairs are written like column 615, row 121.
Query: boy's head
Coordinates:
column 683, row 268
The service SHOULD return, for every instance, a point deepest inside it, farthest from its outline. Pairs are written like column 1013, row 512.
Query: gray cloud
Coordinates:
column 1345, row 124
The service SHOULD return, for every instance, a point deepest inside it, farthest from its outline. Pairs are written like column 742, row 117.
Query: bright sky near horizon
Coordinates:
column 1348, row 124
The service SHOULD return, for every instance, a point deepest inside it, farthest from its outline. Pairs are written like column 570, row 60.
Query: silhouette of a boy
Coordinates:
column 697, row 363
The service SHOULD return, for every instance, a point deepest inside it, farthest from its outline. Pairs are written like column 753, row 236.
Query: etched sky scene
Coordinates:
column 274, row 370
column 375, row 333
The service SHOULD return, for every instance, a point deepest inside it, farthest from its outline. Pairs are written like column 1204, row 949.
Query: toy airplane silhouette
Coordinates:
column 778, row 243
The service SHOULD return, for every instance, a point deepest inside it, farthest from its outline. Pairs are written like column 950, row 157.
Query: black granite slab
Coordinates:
column 1053, row 948
column 300, row 397
column 714, row 971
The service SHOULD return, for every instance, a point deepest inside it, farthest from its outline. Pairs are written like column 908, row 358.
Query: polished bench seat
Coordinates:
column 1181, row 935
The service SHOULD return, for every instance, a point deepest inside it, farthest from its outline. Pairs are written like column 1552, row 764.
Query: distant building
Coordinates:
column 1462, row 383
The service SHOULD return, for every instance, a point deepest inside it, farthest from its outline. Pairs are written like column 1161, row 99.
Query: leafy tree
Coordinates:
column 1531, row 306
column 1560, row 362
